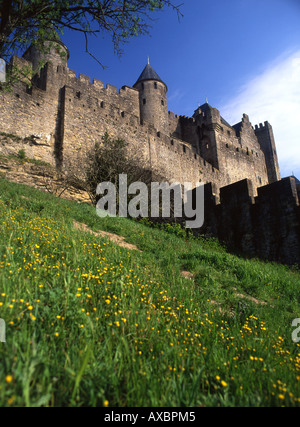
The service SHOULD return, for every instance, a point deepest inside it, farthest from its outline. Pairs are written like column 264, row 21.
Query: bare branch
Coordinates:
column 93, row 56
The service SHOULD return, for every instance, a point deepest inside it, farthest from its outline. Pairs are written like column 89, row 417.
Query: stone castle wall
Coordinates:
column 265, row 226
column 68, row 114
column 60, row 117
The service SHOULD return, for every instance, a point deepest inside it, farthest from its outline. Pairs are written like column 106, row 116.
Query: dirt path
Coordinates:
column 119, row 240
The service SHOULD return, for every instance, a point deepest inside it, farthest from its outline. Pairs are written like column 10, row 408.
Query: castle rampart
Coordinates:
column 60, row 116
column 265, row 226
column 68, row 114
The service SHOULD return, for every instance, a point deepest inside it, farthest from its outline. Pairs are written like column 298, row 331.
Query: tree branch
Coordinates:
column 24, row 21
column 87, row 51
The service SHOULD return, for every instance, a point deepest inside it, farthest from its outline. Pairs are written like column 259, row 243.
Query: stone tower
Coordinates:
column 153, row 99
column 54, row 52
column 266, row 140
column 206, row 118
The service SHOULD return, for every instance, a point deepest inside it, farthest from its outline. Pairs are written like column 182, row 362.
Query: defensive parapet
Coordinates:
column 96, row 93
column 266, row 226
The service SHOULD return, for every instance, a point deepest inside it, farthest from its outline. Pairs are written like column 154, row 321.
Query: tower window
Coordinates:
column 143, row 86
column 144, row 101
column 155, row 85
column 162, row 102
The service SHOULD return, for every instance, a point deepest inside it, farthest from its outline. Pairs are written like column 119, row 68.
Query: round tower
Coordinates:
column 53, row 51
column 153, row 99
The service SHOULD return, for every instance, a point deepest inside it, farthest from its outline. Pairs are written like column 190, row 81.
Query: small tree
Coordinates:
column 108, row 160
column 104, row 163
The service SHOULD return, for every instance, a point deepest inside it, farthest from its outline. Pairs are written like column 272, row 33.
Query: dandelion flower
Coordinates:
column 9, row 379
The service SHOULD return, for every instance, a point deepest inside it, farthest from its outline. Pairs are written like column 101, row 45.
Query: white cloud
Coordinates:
column 274, row 95
column 175, row 96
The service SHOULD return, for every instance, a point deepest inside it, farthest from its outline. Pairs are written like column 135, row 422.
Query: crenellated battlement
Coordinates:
column 266, row 225
column 262, row 126
column 173, row 115
column 84, row 82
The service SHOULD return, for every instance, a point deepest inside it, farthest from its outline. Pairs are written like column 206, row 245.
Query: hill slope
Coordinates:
column 178, row 322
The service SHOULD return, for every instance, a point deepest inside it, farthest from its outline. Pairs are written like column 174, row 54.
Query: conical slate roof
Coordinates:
column 206, row 106
column 149, row 74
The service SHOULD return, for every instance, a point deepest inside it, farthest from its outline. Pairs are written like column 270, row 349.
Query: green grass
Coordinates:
column 21, row 159
column 90, row 323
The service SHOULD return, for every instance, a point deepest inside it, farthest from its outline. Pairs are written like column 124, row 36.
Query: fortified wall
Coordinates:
column 265, row 226
column 65, row 115
column 57, row 116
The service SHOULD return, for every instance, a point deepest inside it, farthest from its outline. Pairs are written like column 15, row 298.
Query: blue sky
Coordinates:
column 242, row 55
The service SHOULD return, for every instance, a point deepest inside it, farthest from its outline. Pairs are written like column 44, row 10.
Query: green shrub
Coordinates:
column 21, row 154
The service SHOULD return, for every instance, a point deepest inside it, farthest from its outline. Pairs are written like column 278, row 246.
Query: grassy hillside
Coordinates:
column 91, row 323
